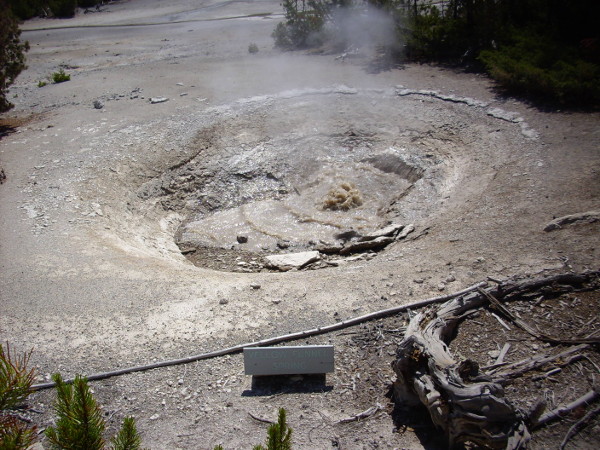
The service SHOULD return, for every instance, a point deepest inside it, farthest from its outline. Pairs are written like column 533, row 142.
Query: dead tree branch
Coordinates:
column 562, row 411
column 467, row 405
column 577, row 425
column 529, row 329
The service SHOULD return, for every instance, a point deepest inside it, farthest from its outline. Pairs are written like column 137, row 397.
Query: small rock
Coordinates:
column 419, row 280
column 276, row 301
column 450, row 278
column 154, row 100
column 493, row 353
column 180, row 381
column 283, row 244
column 241, row 238
column 255, row 286
column 98, row 104
column 223, row 301
column 441, row 287
column 154, row 416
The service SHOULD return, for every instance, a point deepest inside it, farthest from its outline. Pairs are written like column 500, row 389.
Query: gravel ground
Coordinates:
column 91, row 277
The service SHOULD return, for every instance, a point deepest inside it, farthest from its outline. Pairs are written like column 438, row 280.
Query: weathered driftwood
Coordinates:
column 467, row 406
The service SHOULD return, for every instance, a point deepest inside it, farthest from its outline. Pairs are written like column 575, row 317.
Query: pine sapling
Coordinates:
column 15, row 386
column 128, row 437
column 15, row 378
column 80, row 424
column 15, row 434
column 279, row 435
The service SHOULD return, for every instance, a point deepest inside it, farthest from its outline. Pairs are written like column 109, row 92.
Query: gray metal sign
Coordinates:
column 288, row 360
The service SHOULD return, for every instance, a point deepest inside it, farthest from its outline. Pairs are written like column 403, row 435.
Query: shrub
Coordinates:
column 26, row 9
column 279, row 435
column 80, row 424
column 60, row 76
column 63, row 8
column 15, row 386
column 15, row 378
column 88, row 3
column 545, row 71
column 42, row 83
column 14, row 434
column 12, row 53
column 252, row 48
column 303, row 25
column 128, row 437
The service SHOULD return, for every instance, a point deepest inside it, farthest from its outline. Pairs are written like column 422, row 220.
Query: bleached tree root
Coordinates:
column 467, row 405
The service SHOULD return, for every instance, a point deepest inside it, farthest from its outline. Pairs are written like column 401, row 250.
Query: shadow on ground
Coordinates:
column 280, row 384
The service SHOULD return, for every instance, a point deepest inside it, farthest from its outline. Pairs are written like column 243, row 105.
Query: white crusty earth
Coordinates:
column 91, row 279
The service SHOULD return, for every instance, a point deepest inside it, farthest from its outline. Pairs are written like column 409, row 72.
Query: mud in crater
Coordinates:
column 313, row 171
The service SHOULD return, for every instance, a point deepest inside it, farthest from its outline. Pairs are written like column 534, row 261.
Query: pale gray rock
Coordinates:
column 390, row 230
column 292, row 260
column 328, row 248
column 405, row 231
column 375, row 244
column 155, row 100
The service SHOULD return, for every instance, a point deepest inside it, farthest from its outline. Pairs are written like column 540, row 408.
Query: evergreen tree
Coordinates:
column 12, row 53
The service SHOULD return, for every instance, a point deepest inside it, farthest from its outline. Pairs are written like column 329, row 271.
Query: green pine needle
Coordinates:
column 80, row 424
column 128, row 437
column 15, row 378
